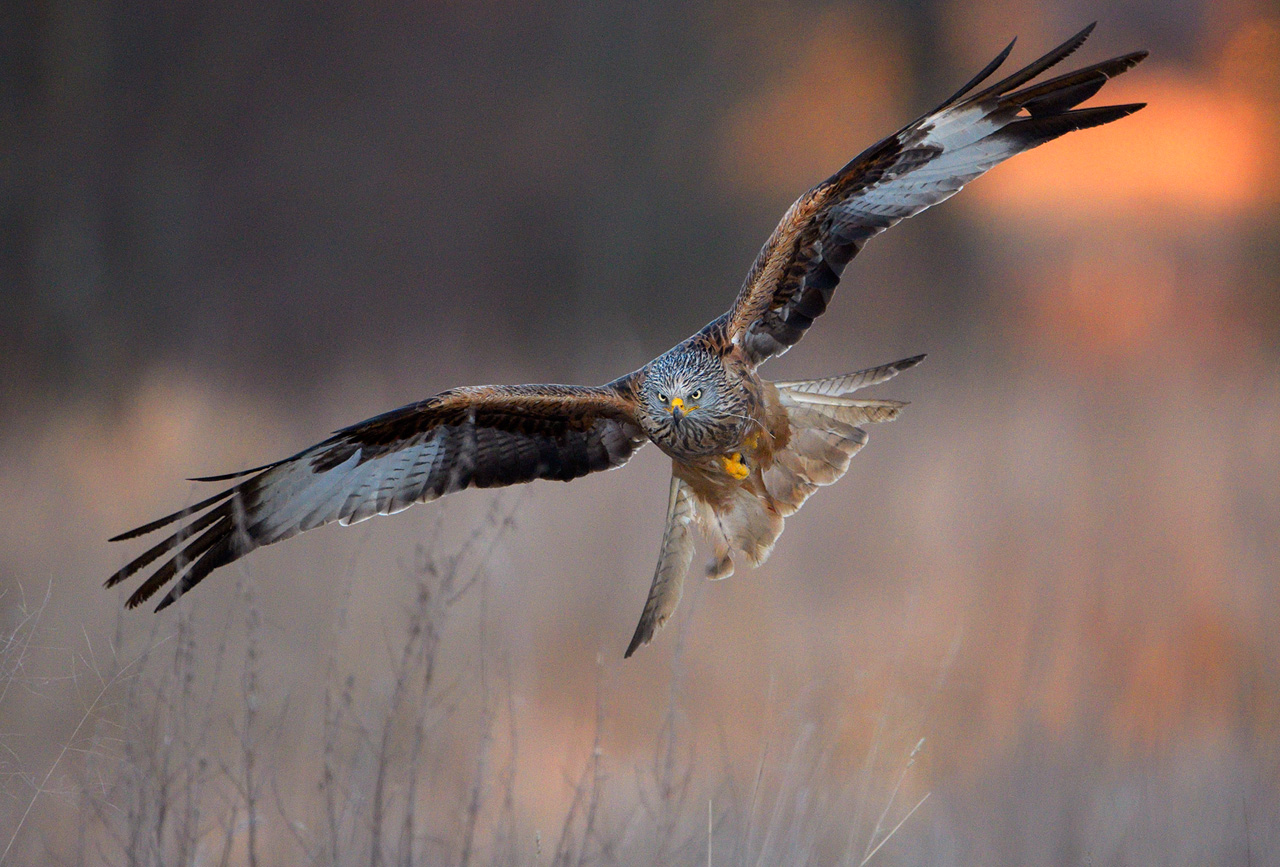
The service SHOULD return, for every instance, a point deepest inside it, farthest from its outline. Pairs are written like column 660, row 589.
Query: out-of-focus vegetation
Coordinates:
column 188, row 751
column 229, row 230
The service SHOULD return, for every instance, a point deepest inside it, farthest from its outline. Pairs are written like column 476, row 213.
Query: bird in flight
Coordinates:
column 745, row 452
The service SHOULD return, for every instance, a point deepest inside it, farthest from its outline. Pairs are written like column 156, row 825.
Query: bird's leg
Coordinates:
column 734, row 465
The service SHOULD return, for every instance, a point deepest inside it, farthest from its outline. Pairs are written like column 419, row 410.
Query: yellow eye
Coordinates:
column 695, row 394
column 662, row 397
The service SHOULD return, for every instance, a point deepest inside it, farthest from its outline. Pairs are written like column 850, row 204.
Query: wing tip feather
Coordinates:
column 179, row 515
column 638, row 641
column 983, row 74
column 238, row 474
column 1048, row 60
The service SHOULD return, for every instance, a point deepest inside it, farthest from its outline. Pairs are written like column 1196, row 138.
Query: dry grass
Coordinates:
column 187, row 752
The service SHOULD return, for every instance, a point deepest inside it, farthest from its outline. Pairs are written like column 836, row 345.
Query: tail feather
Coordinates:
column 749, row 525
column 789, row 485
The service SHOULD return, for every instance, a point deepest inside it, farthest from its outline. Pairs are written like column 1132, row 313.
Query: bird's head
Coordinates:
column 683, row 394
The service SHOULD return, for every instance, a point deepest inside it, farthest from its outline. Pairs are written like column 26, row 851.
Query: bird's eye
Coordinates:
column 695, row 394
column 662, row 397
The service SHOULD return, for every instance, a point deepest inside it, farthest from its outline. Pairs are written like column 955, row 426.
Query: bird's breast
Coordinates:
column 692, row 437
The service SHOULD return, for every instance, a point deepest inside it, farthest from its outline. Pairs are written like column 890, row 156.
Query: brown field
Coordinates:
column 1037, row 623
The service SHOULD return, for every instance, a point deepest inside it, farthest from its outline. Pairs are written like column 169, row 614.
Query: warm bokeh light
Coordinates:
column 840, row 92
column 1201, row 151
column 1250, row 62
column 1110, row 306
column 1057, row 568
column 1204, row 148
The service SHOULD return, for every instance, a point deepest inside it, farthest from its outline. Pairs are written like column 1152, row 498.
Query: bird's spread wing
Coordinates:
column 673, row 564
column 928, row 161
column 486, row 436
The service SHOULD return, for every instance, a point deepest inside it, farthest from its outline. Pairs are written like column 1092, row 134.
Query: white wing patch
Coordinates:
column 294, row 497
column 962, row 140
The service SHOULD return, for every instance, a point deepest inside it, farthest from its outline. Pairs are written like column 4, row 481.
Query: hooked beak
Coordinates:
column 677, row 408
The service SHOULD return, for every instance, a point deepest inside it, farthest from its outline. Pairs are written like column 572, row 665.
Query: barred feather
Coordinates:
column 475, row 437
column 926, row 162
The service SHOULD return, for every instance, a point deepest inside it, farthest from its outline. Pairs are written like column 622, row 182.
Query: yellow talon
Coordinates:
column 734, row 466
column 752, row 441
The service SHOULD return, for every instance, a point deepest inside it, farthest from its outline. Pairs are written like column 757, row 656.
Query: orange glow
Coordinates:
column 1196, row 147
column 1174, row 677
column 840, row 96
column 1250, row 62
column 1113, row 302
column 1059, row 566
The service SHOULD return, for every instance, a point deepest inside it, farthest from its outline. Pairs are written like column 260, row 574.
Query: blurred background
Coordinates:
column 228, row 229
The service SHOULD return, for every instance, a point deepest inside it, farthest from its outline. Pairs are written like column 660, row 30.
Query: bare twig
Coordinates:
column 88, row 713
column 875, row 832
column 889, row 836
column 248, row 743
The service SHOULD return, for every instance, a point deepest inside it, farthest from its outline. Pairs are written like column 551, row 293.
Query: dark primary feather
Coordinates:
column 797, row 271
column 1031, row 70
column 487, row 436
column 985, row 73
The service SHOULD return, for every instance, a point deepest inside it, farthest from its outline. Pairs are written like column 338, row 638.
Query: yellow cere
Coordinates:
column 677, row 403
